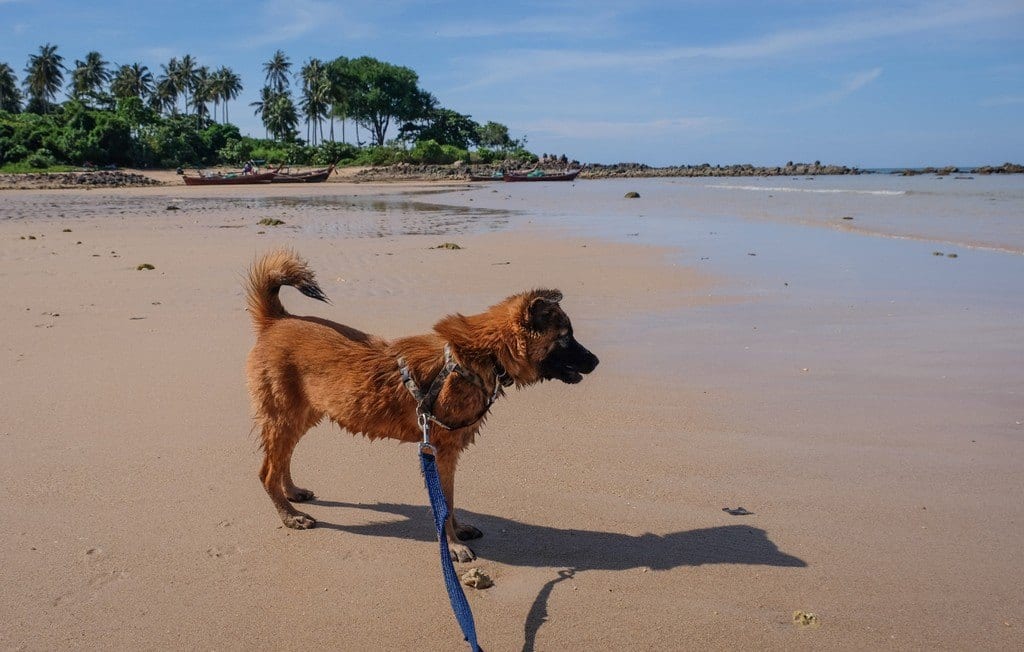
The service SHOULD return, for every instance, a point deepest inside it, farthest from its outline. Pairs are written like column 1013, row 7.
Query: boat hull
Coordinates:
column 231, row 180
column 568, row 176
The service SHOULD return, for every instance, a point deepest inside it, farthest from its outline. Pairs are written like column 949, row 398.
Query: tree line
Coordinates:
column 180, row 116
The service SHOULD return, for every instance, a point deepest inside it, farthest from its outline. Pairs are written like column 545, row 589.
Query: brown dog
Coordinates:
column 303, row 369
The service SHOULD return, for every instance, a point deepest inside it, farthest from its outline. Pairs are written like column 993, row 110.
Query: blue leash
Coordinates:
column 440, row 509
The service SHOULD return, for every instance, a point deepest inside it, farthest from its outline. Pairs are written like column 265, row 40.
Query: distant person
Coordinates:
column 247, row 168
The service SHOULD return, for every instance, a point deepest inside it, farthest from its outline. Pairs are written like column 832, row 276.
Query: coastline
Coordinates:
column 852, row 392
column 131, row 177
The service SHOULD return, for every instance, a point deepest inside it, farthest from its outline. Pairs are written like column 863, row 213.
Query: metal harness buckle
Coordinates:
column 425, row 445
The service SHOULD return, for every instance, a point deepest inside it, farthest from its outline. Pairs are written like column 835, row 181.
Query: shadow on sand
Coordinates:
column 520, row 544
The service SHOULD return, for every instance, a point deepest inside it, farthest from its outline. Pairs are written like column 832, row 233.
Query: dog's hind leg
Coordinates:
column 278, row 443
column 291, row 492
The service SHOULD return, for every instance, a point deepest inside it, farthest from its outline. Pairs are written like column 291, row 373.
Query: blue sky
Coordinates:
column 871, row 84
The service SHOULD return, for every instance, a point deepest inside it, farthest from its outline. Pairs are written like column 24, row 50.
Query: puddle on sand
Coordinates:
column 335, row 215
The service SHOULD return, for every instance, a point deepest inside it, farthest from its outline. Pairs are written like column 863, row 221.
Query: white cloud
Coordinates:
column 840, row 31
column 294, row 19
column 852, row 84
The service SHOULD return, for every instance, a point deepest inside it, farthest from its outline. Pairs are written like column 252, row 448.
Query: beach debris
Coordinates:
column 144, row 266
column 172, row 207
column 66, row 231
column 476, row 578
column 447, row 245
column 632, row 194
column 806, row 619
column 951, row 256
column 270, row 221
column 737, row 511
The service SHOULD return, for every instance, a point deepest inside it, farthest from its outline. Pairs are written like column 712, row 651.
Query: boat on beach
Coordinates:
column 310, row 176
column 541, row 175
column 228, row 179
column 497, row 175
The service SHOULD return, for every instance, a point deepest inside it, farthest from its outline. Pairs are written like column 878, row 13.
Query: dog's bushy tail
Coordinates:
column 266, row 276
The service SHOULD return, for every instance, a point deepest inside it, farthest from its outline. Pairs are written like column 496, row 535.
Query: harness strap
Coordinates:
column 425, row 401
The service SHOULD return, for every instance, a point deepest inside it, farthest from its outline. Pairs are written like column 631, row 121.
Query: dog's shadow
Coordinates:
column 521, row 544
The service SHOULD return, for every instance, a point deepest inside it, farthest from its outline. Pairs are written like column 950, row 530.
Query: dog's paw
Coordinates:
column 467, row 532
column 460, row 553
column 297, row 495
column 299, row 521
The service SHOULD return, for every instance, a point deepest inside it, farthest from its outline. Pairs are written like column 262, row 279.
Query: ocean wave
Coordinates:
column 830, row 191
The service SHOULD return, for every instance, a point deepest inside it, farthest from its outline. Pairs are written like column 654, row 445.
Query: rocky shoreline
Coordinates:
column 459, row 172
column 77, row 180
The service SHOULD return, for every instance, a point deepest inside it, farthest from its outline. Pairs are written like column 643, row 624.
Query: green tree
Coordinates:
column 446, row 127
column 277, row 71
column 90, row 77
column 10, row 96
column 44, row 76
column 133, row 80
column 494, row 134
column 381, row 93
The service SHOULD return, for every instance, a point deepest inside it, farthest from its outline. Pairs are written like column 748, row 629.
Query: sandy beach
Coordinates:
column 859, row 395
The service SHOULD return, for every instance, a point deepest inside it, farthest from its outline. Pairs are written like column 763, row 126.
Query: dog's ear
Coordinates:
column 542, row 306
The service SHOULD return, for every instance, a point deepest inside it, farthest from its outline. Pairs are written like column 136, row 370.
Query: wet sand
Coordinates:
column 858, row 395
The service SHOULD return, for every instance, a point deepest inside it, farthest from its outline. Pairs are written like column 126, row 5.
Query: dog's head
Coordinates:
column 528, row 333
column 556, row 352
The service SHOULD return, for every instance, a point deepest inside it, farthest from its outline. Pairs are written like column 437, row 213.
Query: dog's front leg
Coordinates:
column 447, row 460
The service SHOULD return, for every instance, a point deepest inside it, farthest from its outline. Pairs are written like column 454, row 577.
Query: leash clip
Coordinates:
column 425, row 445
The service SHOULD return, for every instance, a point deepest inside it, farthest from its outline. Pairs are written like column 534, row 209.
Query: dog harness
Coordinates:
column 425, row 401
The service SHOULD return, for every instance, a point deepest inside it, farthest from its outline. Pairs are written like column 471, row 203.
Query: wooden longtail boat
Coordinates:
column 313, row 176
column 496, row 176
column 229, row 179
column 540, row 175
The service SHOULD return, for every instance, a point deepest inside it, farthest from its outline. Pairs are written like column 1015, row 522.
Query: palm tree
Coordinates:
column 277, row 70
column 282, row 118
column 89, row 76
column 132, row 81
column 229, row 87
column 202, row 93
column 164, row 99
column 315, row 103
column 10, row 96
column 169, row 84
column 263, row 106
column 44, row 77
column 185, row 77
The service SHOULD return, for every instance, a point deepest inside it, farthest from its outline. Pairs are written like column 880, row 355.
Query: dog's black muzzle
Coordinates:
column 568, row 362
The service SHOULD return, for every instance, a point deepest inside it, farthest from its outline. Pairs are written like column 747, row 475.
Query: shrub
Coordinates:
column 42, row 158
